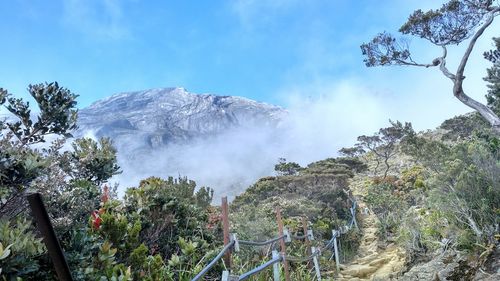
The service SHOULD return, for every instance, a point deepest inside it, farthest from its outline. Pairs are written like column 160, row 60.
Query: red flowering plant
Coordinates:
column 96, row 220
column 95, row 217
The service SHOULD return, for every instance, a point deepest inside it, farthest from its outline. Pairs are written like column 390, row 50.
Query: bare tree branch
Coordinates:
column 442, row 65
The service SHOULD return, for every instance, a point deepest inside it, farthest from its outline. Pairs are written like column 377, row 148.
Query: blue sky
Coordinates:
column 268, row 50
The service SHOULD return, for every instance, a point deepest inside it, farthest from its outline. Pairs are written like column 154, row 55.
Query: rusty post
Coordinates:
column 282, row 244
column 225, row 229
column 306, row 241
column 49, row 236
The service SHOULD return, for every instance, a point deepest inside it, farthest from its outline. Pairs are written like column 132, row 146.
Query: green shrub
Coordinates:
column 413, row 177
column 388, row 207
column 21, row 249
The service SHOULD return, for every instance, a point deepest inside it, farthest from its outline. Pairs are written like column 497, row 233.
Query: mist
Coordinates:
column 322, row 118
column 315, row 129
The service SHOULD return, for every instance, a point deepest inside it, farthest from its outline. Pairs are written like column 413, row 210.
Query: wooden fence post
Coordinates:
column 225, row 229
column 282, row 244
column 307, row 242
column 49, row 236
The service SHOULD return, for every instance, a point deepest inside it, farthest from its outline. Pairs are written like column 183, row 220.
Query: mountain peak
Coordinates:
column 165, row 115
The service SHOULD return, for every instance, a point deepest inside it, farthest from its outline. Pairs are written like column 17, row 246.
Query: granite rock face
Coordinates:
column 158, row 117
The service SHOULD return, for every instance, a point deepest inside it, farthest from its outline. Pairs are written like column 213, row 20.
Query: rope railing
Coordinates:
column 246, row 275
column 303, row 259
column 315, row 253
column 214, row 261
column 329, row 244
column 262, row 243
column 233, row 244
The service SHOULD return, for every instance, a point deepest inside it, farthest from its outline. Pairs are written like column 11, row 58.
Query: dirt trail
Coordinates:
column 372, row 262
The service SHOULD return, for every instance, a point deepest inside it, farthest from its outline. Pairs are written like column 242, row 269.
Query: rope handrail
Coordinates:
column 261, row 243
column 303, row 259
column 259, row 268
column 312, row 255
column 329, row 244
column 214, row 261
column 287, row 237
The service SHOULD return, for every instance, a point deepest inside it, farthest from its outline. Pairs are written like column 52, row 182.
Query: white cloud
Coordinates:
column 326, row 113
column 99, row 19
column 249, row 12
column 328, row 109
column 229, row 163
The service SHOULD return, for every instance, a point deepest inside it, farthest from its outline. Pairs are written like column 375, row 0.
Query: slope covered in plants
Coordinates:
column 429, row 205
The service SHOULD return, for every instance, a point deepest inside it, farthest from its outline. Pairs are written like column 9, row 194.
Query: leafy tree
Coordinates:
column 353, row 163
column 57, row 113
column 352, row 151
column 426, row 151
column 93, row 161
column 371, row 143
column 383, row 143
column 48, row 170
column 452, row 24
column 493, row 77
column 464, row 126
column 284, row 168
column 19, row 164
column 70, row 195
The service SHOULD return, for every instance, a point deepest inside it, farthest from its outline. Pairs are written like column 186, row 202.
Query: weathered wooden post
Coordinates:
column 49, row 236
column 282, row 244
column 225, row 229
column 306, row 240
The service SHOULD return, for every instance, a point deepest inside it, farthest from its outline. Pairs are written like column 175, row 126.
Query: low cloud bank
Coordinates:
column 315, row 129
column 322, row 119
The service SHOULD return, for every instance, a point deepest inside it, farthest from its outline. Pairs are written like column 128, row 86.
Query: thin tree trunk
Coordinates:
column 386, row 161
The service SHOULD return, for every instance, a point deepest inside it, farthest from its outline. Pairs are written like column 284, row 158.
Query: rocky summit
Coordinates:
column 158, row 117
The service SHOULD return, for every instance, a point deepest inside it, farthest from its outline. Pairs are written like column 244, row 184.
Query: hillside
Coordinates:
column 398, row 204
column 433, row 217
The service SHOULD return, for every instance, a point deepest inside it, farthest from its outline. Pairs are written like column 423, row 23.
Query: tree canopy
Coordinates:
column 454, row 23
column 493, row 77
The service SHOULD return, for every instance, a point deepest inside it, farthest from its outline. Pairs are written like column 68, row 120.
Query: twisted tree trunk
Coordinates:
column 459, row 77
